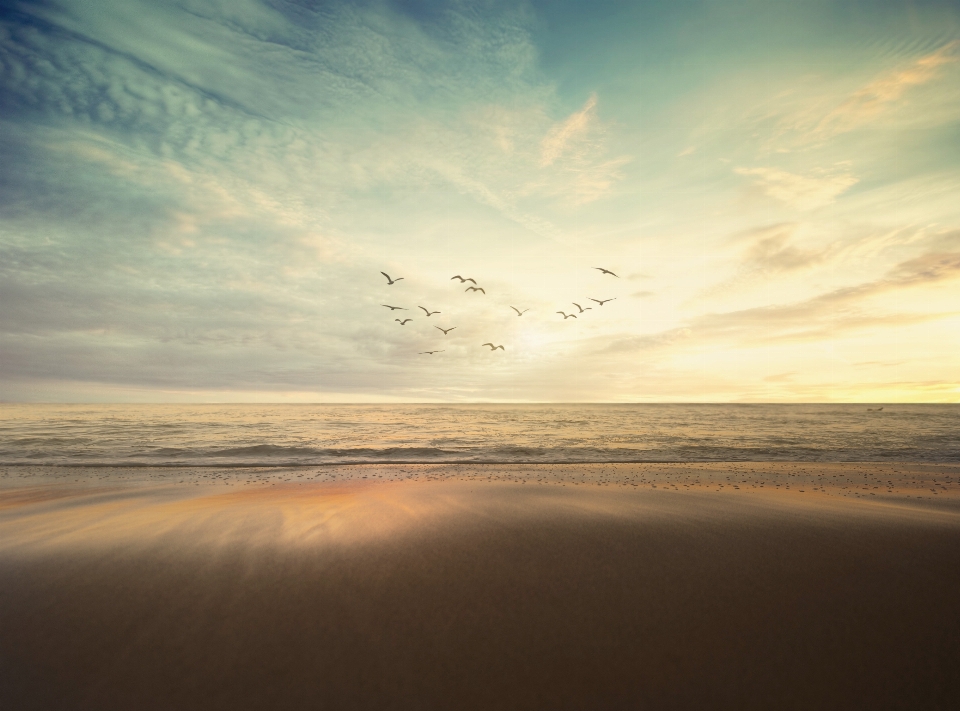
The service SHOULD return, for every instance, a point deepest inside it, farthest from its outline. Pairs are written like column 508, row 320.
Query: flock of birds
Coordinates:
column 476, row 288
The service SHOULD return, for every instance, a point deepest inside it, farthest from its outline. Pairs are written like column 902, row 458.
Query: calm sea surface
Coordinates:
column 318, row 434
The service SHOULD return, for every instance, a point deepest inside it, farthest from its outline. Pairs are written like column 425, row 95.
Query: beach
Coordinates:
column 479, row 355
column 641, row 586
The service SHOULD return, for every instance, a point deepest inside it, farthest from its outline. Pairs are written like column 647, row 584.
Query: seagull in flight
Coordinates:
column 394, row 308
column 566, row 316
column 603, row 301
column 445, row 330
column 519, row 312
column 580, row 307
column 463, row 279
column 404, row 322
column 428, row 313
column 493, row 347
column 475, row 288
column 429, row 352
column 391, row 282
column 606, row 271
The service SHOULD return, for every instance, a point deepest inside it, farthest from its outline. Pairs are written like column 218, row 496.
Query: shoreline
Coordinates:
column 441, row 588
column 926, row 482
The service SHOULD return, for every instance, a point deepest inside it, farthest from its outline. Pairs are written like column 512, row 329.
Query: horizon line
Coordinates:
column 516, row 403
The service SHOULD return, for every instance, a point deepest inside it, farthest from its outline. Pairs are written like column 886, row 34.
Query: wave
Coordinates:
column 271, row 455
column 257, row 435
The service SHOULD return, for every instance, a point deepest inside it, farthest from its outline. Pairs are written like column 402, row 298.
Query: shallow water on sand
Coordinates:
column 296, row 435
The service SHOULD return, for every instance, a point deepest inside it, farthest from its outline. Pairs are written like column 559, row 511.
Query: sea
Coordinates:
column 311, row 435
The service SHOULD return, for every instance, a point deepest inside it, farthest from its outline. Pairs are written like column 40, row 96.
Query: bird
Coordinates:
column 394, row 308
column 463, row 279
column 445, row 330
column 519, row 312
column 606, row 271
column 566, row 316
column 404, row 322
column 580, row 307
column 391, row 282
column 474, row 288
column 429, row 352
column 603, row 301
column 428, row 313
column 493, row 347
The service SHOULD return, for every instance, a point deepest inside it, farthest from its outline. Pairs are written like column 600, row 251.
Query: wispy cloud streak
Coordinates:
column 866, row 103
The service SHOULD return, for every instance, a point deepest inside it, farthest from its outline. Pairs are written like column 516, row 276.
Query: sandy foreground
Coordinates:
column 748, row 585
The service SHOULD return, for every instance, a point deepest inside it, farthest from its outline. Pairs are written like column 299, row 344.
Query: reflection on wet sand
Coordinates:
column 463, row 592
column 357, row 510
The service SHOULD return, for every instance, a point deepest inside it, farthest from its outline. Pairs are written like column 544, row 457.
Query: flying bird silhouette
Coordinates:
column 391, row 282
column 475, row 288
column 603, row 301
column 429, row 352
column 404, row 322
column 428, row 313
column 580, row 307
column 566, row 316
column 463, row 279
column 493, row 347
column 519, row 312
column 445, row 330
column 606, row 271
column 394, row 308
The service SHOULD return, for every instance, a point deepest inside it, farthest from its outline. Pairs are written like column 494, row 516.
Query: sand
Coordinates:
column 629, row 586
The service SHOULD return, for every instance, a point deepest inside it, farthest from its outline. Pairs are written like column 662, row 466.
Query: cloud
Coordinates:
column 801, row 192
column 654, row 341
column 821, row 317
column 565, row 134
column 770, row 251
column 927, row 268
column 592, row 182
column 869, row 101
column 766, row 252
column 834, row 306
column 573, row 162
column 219, row 187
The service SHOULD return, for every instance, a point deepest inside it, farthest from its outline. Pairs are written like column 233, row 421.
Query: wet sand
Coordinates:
column 627, row 586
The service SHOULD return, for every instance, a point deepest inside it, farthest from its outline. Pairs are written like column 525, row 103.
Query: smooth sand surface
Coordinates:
column 411, row 589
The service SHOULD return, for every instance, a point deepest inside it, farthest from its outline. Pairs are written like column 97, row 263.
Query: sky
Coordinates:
column 197, row 199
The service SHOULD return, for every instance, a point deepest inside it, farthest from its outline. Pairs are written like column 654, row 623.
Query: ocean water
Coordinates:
column 310, row 435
